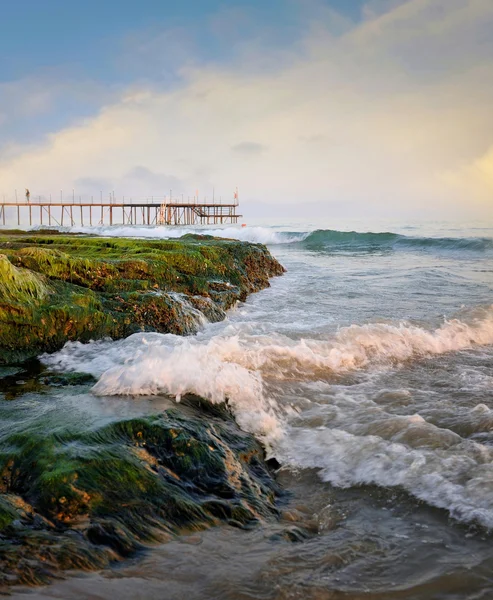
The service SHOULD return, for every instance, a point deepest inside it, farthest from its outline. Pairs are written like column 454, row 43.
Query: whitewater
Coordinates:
column 367, row 373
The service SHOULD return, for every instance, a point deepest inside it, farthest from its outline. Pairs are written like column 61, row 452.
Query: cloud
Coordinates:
column 391, row 115
column 138, row 182
column 248, row 148
column 375, row 8
column 474, row 182
column 49, row 100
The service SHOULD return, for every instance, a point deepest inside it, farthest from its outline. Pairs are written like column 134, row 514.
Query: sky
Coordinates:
column 356, row 108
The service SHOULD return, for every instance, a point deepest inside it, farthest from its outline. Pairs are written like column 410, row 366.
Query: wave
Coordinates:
column 327, row 239
column 257, row 235
column 320, row 240
column 275, row 356
column 246, row 371
column 233, row 366
column 457, row 479
column 362, row 346
column 151, row 364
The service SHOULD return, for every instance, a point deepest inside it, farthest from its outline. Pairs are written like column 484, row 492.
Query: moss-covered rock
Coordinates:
column 56, row 288
column 82, row 499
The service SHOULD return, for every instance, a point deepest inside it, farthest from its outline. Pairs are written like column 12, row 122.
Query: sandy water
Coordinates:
column 367, row 371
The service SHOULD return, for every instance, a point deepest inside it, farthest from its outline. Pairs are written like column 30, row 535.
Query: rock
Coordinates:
column 82, row 499
column 56, row 288
column 72, row 500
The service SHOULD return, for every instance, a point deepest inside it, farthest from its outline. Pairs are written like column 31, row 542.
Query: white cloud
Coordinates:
column 29, row 106
column 378, row 118
column 474, row 182
column 375, row 8
column 249, row 148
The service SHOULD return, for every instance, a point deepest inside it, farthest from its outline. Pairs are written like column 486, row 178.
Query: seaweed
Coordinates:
column 56, row 288
column 83, row 498
column 87, row 498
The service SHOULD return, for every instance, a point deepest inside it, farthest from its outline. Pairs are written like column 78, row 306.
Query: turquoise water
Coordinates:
column 367, row 372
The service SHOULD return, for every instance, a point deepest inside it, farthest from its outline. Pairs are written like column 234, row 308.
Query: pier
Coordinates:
column 151, row 211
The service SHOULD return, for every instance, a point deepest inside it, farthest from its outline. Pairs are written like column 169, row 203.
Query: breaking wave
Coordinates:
column 151, row 364
column 272, row 355
column 456, row 478
column 322, row 240
column 238, row 367
column 257, row 235
column 354, row 241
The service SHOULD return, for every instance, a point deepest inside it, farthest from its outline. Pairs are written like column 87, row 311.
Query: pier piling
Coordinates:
column 113, row 212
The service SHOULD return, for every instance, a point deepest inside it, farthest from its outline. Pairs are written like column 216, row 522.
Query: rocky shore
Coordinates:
column 86, row 499
column 56, row 288
column 81, row 493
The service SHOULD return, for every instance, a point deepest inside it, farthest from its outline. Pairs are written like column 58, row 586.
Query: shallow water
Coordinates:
column 367, row 371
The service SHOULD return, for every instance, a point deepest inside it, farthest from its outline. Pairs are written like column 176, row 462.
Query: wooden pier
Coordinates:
column 112, row 212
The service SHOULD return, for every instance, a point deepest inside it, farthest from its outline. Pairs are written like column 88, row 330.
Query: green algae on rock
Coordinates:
column 60, row 287
column 79, row 495
column 80, row 499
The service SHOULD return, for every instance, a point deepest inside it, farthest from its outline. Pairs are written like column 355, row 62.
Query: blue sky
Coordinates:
column 88, row 36
column 362, row 106
column 85, row 53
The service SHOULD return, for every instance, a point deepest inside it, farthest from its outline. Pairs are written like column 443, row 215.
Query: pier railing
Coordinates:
column 110, row 210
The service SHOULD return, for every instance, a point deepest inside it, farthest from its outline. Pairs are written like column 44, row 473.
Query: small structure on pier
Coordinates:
column 155, row 211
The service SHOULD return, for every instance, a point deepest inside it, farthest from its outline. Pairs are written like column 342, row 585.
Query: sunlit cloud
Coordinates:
column 390, row 115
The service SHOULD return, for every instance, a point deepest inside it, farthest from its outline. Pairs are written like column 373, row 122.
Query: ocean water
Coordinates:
column 367, row 373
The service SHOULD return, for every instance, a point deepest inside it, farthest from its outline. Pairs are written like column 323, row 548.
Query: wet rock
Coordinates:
column 64, row 379
column 80, row 500
column 56, row 288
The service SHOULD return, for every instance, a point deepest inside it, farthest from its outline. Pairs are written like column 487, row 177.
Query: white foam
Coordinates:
column 97, row 357
column 459, row 479
column 147, row 364
column 191, row 368
column 258, row 235
column 363, row 445
column 357, row 347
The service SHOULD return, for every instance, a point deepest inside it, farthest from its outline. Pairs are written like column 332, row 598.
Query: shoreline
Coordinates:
column 81, row 495
column 71, row 287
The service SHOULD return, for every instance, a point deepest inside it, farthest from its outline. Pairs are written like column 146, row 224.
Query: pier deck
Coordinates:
column 116, row 213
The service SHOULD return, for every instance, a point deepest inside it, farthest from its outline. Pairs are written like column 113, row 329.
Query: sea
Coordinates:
column 366, row 371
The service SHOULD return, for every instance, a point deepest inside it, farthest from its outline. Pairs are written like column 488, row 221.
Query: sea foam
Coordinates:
column 232, row 367
column 258, row 235
column 459, row 479
column 320, row 240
